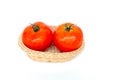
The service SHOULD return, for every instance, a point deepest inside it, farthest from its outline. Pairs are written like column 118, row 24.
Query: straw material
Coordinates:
column 52, row 54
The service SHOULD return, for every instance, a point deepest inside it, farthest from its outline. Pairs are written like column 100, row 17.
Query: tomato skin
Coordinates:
column 68, row 39
column 39, row 40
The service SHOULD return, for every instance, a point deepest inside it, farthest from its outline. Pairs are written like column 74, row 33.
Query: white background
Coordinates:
column 99, row 20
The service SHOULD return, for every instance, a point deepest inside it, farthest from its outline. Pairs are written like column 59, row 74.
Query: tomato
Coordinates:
column 68, row 37
column 37, row 36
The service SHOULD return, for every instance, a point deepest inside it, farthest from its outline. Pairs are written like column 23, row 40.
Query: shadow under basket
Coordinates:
column 51, row 54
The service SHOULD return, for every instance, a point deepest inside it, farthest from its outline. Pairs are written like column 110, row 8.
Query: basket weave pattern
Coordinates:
column 52, row 54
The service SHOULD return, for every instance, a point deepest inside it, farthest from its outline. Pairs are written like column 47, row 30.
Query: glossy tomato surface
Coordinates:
column 68, row 37
column 37, row 36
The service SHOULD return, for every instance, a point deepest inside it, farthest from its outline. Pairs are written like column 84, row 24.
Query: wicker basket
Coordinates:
column 52, row 54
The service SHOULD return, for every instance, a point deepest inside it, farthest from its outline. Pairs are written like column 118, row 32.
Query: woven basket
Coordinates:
column 52, row 54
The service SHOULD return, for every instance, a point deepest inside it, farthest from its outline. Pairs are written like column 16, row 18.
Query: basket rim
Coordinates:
column 25, row 48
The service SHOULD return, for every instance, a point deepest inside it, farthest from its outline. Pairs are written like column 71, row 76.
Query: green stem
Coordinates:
column 68, row 28
column 35, row 28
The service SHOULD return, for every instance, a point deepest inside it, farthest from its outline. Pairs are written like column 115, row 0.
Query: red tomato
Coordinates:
column 37, row 36
column 68, row 37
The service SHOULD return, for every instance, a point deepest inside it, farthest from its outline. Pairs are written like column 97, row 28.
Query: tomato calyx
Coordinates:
column 68, row 27
column 35, row 27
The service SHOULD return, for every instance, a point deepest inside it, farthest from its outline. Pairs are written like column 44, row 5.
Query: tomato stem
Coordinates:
column 35, row 28
column 68, row 27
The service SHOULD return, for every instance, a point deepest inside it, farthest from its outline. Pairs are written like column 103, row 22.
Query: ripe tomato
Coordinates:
column 37, row 36
column 68, row 37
